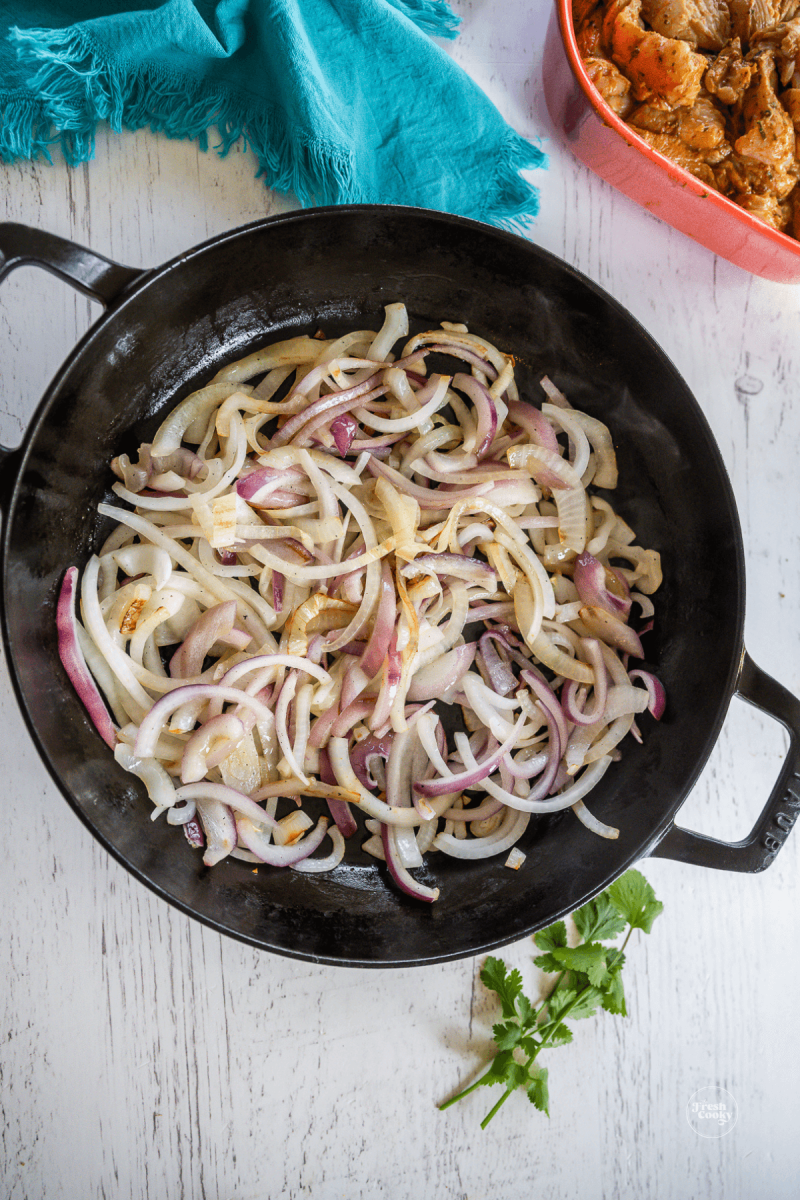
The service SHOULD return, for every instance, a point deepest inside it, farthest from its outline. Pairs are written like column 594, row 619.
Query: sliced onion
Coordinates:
column 74, row 663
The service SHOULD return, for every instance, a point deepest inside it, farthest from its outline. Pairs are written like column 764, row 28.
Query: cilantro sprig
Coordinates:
column 589, row 976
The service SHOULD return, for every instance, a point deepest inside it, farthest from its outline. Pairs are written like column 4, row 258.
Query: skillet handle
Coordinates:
column 757, row 851
column 97, row 277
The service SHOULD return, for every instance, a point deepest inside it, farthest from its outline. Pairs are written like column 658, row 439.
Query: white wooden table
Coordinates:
column 144, row 1056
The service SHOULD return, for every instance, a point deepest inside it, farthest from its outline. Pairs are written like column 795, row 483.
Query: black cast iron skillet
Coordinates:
column 164, row 333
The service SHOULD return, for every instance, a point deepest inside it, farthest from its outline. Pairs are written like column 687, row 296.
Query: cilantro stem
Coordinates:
column 540, row 1047
column 460, row 1096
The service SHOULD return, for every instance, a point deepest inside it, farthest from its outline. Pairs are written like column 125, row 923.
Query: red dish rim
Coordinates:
column 628, row 134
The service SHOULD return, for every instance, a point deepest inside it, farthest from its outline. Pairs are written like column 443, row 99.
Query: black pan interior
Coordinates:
column 337, row 268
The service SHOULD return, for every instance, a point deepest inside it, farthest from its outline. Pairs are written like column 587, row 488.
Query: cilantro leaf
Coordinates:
column 525, row 1010
column 548, row 962
column 498, row 1068
column 598, row 919
column 589, row 958
column 567, row 1002
column 517, row 1074
column 557, row 1034
column 507, row 1036
column 507, row 984
column 635, row 900
column 538, row 1092
column 614, row 997
column 552, row 937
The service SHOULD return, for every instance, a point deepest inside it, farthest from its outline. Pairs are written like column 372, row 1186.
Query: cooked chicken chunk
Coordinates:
column 589, row 39
column 736, row 175
column 581, row 10
column 702, row 127
column 769, row 136
column 766, row 14
column 678, row 152
column 664, row 71
column 729, row 75
column 611, row 84
column 784, row 41
column 769, row 209
column 657, row 120
column 702, row 23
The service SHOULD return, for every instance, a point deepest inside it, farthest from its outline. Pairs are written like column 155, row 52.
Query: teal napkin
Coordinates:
column 341, row 101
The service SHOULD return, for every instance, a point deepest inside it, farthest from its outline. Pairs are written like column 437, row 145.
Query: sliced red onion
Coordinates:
column 339, row 809
column 425, row 497
column 213, row 626
column 315, row 866
column 383, row 626
column 457, row 566
column 655, row 690
column 402, row 877
column 601, row 624
column 469, row 779
column 458, row 350
column 489, row 808
column 218, row 793
column 591, row 822
column 589, row 576
column 504, row 837
column 194, row 833
column 365, row 753
column 501, row 677
column 279, row 856
column 485, row 408
column 152, row 724
column 534, row 423
column 391, row 676
column 278, row 585
column 344, row 430
column 572, row 711
column 219, row 828
column 194, row 762
column 434, row 681
column 74, row 663
column 354, row 713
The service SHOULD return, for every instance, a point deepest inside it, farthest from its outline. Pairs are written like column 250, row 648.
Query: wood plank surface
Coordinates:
column 144, row 1056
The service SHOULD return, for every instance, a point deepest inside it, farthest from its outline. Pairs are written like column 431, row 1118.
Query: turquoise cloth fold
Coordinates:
column 341, row 101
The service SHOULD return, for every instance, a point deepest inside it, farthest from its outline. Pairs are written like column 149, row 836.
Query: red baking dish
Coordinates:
column 601, row 140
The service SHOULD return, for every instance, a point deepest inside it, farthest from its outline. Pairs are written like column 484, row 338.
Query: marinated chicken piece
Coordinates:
column 664, row 71
column 678, row 152
column 740, row 19
column 702, row 23
column 784, row 41
column 657, row 120
column 581, row 10
column 611, row 84
column 590, row 44
column 766, row 14
column 702, row 127
column 740, row 176
column 769, row 209
column 769, row 133
column 729, row 75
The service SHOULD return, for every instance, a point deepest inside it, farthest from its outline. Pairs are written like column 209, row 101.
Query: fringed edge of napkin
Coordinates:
column 76, row 85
